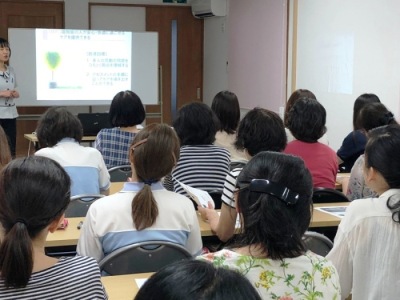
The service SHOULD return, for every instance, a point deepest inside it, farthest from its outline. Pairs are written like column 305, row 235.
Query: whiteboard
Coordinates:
column 346, row 48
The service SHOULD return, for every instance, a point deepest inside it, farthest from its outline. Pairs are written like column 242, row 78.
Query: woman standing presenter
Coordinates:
column 8, row 111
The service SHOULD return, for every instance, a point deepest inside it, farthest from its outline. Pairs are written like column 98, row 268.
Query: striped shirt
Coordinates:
column 203, row 167
column 113, row 144
column 70, row 278
column 229, row 187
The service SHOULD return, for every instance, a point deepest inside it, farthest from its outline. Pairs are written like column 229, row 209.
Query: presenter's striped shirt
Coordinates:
column 70, row 278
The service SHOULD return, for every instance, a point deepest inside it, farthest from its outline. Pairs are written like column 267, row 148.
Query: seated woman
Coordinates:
column 260, row 130
column 274, row 193
column 34, row 193
column 366, row 247
column 194, row 279
column 59, row 133
column 143, row 210
column 371, row 116
column 354, row 143
column 296, row 95
column 226, row 107
column 201, row 165
column 126, row 113
column 306, row 120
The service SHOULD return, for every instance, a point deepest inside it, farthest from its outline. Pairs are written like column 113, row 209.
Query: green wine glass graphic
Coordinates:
column 53, row 60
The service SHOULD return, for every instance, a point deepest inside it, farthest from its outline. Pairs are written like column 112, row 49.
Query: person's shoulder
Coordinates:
column 78, row 261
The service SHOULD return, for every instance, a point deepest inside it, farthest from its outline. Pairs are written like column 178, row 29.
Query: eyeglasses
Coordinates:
column 272, row 188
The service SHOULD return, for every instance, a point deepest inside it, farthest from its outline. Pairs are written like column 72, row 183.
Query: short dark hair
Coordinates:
column 58, row 123
column 360, row 102
column 5, row 43
column 382, row 153
column 195, row 279
column 306, row 120
column 196, row 124
column 126, row 110
column 261, row 130
column 263, row 214
column 226, row 107
column 373, row 115
column 34, row 192
column 296, row 95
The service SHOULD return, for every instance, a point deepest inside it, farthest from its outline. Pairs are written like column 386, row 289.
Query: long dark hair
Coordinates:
column 360, row 102
column 153, row 153
column 34, row 191
column 268, row 221
column 382, row 153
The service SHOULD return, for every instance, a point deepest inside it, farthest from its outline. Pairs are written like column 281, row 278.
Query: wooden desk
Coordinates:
column 339, row 179
column 115, row 187
column 122, row 287
column 65, row 237
column 70, row 235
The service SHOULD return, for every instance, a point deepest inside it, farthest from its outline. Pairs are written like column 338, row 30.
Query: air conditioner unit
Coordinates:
column 208, row 8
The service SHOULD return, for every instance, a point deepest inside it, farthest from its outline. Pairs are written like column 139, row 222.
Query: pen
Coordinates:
column 80, row 225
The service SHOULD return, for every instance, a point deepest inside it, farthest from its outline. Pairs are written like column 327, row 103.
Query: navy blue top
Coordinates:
column 352, row 147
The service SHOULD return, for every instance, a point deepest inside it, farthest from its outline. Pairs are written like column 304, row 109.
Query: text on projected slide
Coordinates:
column 82, row 64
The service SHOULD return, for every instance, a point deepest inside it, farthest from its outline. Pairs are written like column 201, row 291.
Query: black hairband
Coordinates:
column 275, row 189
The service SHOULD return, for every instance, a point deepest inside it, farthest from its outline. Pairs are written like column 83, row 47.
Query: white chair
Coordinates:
column 142, row 257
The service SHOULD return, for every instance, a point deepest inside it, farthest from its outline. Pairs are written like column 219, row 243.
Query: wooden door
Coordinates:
column 189, row 56
column 29, row 14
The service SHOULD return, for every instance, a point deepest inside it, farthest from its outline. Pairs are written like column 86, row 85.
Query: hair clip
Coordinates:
column 275, row 189
column 138, row 144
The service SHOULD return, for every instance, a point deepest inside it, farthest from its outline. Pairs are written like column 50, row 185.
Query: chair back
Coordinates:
column 317, row 243
column 327, row 195
column 120, row 173
column 143, row 257
column 80, row 204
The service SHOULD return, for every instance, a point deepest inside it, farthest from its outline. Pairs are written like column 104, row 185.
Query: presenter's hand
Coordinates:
column 15, row 94
column 7, row 94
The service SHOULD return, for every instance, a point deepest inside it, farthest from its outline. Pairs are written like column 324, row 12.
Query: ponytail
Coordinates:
column 16, row 256
column 144, row 208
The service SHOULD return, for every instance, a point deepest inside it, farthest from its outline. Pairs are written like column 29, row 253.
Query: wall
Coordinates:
column 253, row 36
column 354, row 49
column 257, row 52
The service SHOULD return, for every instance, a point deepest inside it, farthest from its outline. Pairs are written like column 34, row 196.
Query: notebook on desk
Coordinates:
column 92, row 123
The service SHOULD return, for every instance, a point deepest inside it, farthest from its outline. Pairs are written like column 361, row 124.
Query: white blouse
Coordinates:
column 366, row 249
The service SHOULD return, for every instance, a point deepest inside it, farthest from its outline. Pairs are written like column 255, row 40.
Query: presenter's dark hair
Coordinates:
column 153, row 154
column 34, row 192
column 226, row 107
column 382, row 154
column 296, row 95
column 4, row 43
column 360, row 102
column 306, row 120
column 261, row 130
column 268, row 220
column 58, row 123
column 196, row 124
column 373, row 115
column 126, row 110
column 194, row 279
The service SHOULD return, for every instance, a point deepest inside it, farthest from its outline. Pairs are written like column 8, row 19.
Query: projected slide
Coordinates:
column 82, row 64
